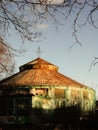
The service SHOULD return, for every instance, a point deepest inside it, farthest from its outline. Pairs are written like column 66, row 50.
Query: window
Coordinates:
column 59, row 93
column 15, row 105
column 40, row 92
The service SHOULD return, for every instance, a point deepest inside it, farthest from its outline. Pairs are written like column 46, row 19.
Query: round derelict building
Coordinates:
column 39, row 86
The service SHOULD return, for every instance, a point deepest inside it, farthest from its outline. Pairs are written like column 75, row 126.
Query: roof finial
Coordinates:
column 39, row 52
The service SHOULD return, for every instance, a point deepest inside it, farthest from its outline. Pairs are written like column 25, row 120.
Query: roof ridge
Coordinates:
column 37, row 60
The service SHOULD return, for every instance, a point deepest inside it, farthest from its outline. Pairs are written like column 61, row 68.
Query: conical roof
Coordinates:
column 39, row 72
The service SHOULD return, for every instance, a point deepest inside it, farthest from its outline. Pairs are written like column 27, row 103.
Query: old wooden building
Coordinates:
column 39, row 86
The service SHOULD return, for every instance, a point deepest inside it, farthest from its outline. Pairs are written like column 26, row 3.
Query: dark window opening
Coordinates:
column 15, row 105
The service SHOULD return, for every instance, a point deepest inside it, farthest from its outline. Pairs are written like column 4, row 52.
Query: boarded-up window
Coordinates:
column 85, row 95
column 59, row 93
column 75, row 94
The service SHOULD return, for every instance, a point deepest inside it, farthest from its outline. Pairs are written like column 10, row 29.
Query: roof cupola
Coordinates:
column 38, row 64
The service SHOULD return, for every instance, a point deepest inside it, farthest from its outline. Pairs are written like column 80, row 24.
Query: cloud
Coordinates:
column 42, row 26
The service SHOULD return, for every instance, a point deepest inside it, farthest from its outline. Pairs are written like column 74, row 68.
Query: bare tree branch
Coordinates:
column 6, row 60
column 23, row 16
column 93, row 63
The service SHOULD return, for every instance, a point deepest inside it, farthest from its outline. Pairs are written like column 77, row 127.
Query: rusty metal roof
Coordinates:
column 39, row 72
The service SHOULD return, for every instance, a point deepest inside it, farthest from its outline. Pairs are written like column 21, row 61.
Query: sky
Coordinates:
column 55, row 47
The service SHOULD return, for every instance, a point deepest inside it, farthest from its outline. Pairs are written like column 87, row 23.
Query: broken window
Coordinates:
column 40, row 92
